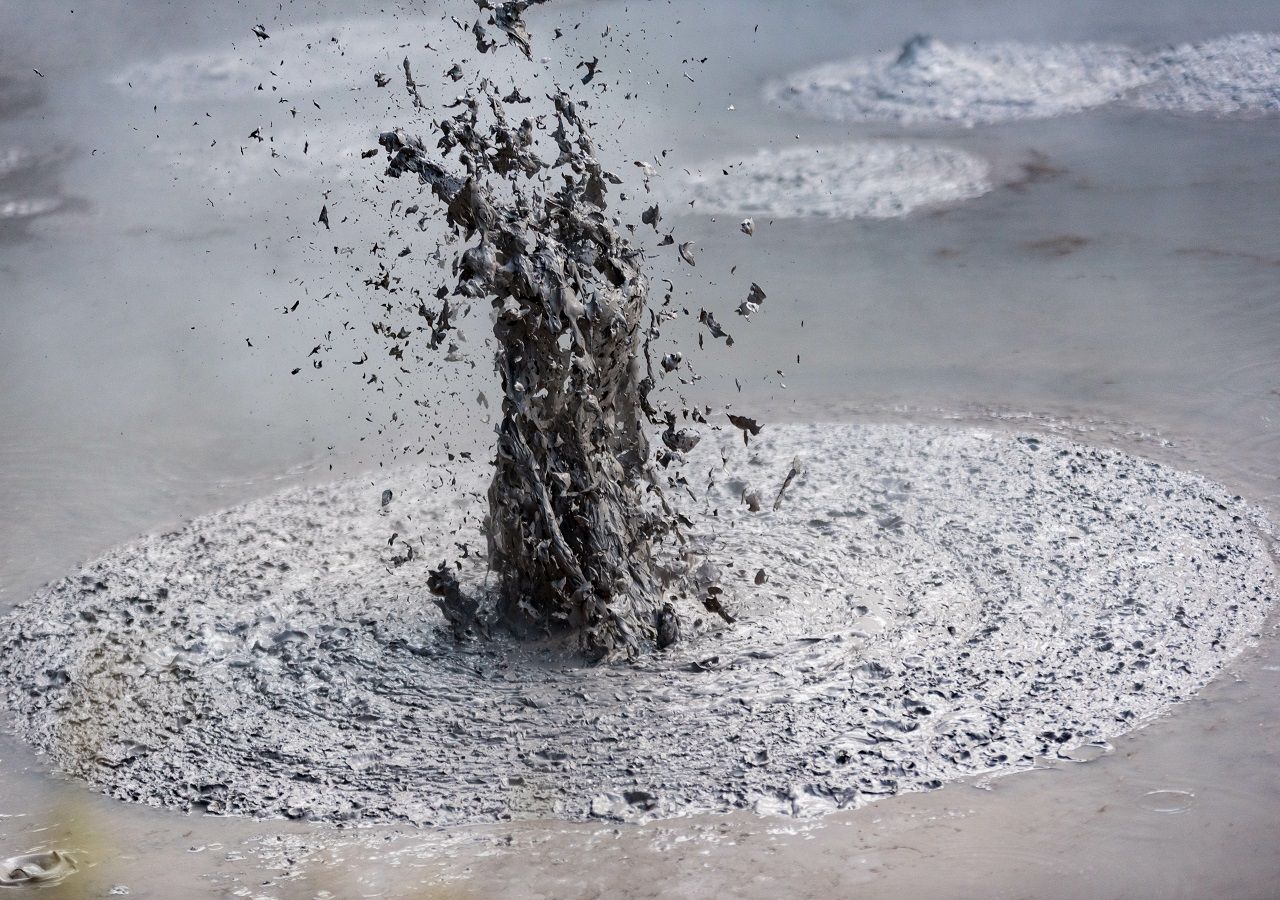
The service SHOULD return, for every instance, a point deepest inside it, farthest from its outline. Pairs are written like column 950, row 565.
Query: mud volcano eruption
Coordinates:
column 572, row 507
column 839, row 613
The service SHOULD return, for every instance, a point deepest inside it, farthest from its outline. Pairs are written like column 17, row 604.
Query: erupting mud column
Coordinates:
column 573, row 511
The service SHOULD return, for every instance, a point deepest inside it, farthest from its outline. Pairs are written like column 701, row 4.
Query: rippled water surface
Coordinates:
column 1120, row 283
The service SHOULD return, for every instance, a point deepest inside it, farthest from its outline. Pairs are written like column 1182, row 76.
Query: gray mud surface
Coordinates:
column 922, row 604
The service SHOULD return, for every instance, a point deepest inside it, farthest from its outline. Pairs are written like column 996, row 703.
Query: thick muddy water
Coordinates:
column 1111, row 285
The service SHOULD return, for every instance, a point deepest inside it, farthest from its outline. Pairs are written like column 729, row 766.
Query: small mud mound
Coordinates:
column 40, row 868
column 922, row 604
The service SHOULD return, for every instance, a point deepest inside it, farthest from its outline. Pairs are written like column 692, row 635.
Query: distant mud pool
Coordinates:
column 923, row 604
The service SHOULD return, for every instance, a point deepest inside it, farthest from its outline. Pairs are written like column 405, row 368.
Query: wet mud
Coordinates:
column 873, row 180
column 919, row 604
column 41, row 868
column 930, row 81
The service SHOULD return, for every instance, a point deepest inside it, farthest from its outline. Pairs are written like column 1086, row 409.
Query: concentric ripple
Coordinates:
column 922, row 604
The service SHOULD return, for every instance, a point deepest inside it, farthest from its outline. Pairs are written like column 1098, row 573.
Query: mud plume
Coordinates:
column 574, row 512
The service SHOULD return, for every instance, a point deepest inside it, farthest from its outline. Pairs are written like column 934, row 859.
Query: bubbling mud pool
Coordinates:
column 922, row 604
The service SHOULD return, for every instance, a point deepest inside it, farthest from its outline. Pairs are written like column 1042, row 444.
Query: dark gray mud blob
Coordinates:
column 938, row 603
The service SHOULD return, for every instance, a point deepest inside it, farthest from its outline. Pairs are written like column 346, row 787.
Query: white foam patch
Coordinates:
column 934, row 603
column 876, row 180
column 931, row 81
column 1233, row 75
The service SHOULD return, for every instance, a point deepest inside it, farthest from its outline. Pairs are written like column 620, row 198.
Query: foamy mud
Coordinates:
column 922, row 604
column 877, row 180
column 928, row 81
column 1232, row 75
